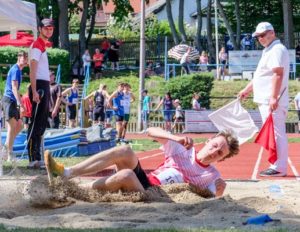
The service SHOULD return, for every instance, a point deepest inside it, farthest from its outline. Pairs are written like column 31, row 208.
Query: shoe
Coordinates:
column 42, row 165
column 33, row 165
column 53, row 168
column 271, row 172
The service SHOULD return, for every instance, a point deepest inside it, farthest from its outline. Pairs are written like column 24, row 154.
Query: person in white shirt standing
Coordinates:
column 86, row 59
column 185, row 60
column 269, row 83
column 297, row 107
column 39, row 92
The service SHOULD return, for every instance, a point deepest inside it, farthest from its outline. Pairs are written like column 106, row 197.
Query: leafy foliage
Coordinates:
column 184, row 87
column 8, row 55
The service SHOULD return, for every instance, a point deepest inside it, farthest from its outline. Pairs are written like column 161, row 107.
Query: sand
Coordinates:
column 31, row 203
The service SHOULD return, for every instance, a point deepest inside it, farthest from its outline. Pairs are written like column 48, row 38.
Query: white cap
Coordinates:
column 177, row 101
column 262, row 27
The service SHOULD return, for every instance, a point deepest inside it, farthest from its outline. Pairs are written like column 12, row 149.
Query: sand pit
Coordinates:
column 31, row 203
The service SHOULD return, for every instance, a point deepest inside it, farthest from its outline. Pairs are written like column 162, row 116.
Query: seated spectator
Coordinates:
column 98, row 59
column 247, row 42
column 203, row 61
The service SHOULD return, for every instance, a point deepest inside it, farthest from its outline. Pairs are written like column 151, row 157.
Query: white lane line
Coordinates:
column 150, row 156
column 294, row 169
column 255, row 171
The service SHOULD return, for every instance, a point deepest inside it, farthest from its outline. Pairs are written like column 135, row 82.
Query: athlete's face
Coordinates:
column 46, row 32
column 214, row 150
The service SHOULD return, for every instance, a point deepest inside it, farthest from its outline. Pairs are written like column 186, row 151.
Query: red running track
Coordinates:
column 245, row 166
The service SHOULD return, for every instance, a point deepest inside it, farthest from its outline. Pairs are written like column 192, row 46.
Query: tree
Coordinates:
column 211, row 49
column 199, row 26
column 238, row 21
column 288, row 23
column 63, row 24
column 180, row 21
column 227, row 25
column 171, row 21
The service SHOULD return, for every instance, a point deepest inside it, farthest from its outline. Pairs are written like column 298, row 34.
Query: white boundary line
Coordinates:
column 255, row 171
column 294, row 169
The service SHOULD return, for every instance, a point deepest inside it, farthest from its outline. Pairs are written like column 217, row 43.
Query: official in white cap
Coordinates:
column 269, row 82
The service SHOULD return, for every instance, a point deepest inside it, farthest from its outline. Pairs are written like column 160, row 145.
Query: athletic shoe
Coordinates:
column 33, row 165
column 271, row 172
column 53, row 168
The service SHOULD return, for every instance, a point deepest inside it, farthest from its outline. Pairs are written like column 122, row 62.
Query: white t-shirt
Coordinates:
column 297, row 99
column 184, row 58
column 180, row 166
column 273, row 56
column 37, row 51
column 86, row 58
column 126, row 102
column 196, row 105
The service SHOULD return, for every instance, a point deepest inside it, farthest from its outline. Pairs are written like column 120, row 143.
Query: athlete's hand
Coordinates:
column 186, row 142
column 220, row 187
column 35, row 97
column 273, row 103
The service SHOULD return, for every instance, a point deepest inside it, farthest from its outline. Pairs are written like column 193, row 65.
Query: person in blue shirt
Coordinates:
column 116, row 102
column 146, row 109
column 72, row 102
column 12, row 104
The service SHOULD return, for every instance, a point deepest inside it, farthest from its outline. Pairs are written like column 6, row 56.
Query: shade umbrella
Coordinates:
column 23, row 39
column 179, row 50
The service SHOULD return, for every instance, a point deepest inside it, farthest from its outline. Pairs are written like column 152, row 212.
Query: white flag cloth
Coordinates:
column 233, row 116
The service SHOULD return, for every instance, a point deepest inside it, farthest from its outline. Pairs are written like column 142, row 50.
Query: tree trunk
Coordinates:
column 211, row 49
column 238, row 22
column 93, row 20
column 171, row 21
column 180, row 21
column 227, row 25
column 82, row 39
column 63, row 24
column 199, row 26
column 55, row 36
column 288, row 23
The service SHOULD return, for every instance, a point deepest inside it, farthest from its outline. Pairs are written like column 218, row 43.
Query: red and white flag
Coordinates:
column 266, row 138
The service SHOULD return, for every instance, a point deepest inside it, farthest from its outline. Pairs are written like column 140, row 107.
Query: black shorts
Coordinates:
column 26, row 120
column 119, row 118
column 98, row 69
column 141, row 175
column 99, row 113
column 298, row 114
column 10, row 109
column 72, row 112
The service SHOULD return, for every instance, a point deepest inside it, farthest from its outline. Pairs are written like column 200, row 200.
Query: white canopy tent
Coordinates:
column 17, row 15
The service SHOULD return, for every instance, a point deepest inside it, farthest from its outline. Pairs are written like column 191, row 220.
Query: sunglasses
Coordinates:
column 262, row 35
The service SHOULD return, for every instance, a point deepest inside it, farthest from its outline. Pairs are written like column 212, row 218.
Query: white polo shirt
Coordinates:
column 38, row 52
column 274, row 56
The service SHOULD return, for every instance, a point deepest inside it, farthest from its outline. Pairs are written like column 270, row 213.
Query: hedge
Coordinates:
column 8, row 55
column 183, row 88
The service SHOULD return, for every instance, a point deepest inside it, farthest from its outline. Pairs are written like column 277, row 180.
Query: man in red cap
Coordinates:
column 39, row 91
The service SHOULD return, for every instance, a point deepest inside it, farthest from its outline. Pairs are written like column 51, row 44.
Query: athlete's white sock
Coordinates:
column 67, row 172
